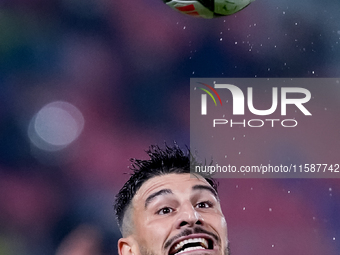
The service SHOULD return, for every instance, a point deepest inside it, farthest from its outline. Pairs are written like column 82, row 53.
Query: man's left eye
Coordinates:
column 204, row 205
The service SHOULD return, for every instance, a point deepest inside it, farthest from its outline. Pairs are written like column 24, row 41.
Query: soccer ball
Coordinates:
column 208, row 8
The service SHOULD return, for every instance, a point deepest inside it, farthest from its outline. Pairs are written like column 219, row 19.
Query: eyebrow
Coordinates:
column 156, row 194
column 205, row 187
column 161, row 192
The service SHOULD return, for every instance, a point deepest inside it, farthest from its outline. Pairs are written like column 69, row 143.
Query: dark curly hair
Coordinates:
column 162, row 161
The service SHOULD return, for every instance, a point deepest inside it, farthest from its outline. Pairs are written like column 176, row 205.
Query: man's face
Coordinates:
column 178, row 214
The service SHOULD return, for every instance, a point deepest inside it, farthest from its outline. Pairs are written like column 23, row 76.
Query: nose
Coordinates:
column 188, row 217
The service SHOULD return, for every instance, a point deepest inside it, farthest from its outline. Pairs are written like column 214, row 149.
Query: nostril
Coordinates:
column 183, row 223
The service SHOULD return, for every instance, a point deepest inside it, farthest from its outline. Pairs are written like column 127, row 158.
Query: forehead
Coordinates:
column 177, row 183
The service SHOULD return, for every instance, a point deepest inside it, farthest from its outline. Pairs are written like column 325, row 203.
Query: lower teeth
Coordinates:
column 191, row 249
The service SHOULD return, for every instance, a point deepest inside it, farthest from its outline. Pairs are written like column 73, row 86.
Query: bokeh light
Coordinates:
column 55, row 126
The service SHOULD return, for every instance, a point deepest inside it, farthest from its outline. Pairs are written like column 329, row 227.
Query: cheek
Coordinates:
column 217, row 218
column 223, row 223
column 223, row 232
column 154, row 232
column 224, row 226
column 219, row 223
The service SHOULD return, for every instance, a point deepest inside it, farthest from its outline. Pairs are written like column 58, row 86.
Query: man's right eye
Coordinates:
column 165, row 210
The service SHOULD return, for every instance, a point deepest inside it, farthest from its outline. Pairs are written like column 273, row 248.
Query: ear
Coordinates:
column 126, row 246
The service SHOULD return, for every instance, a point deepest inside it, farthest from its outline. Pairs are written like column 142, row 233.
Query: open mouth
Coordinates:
column 190, row 244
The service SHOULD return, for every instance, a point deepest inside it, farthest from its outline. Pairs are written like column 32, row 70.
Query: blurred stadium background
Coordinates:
column 86, row 85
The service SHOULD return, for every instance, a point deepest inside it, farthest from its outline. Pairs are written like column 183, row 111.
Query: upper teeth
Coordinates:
column 202, row 241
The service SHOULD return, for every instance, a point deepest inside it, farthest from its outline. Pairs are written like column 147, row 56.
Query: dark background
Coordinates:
column 126, row 66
